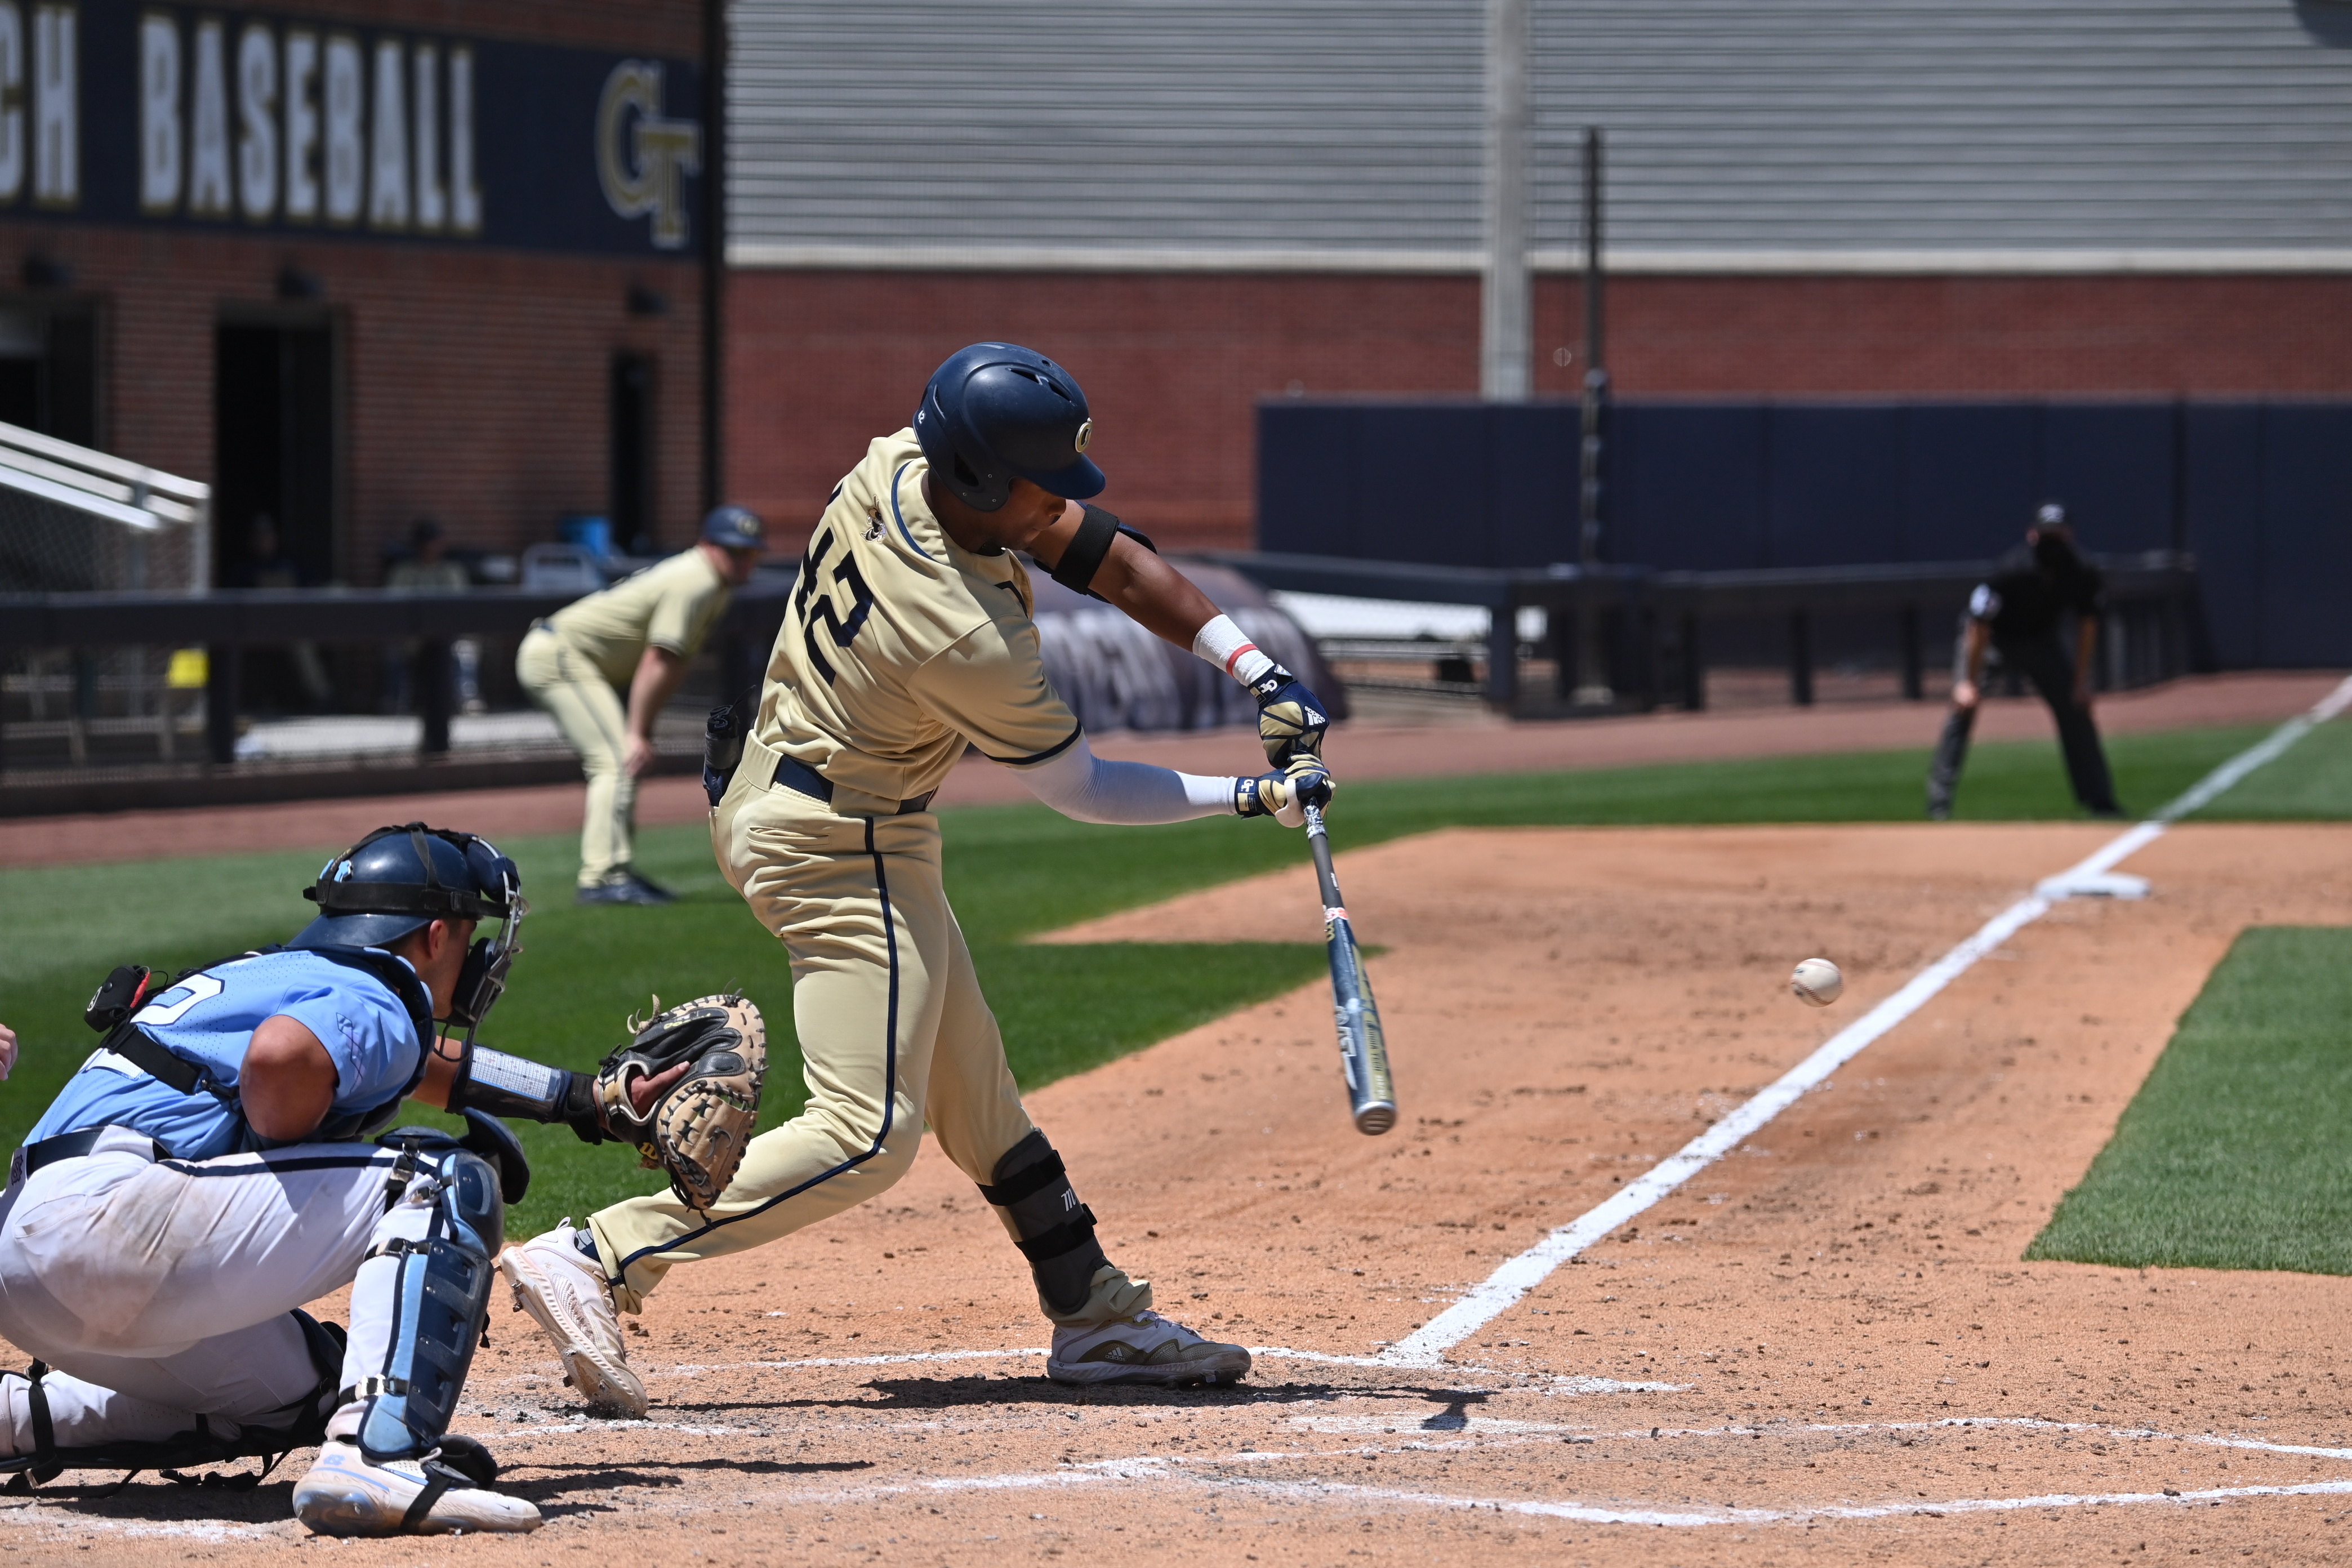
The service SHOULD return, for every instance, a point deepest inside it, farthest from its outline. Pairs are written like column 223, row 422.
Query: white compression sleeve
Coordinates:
column 1228, row 647
column 1086, row 788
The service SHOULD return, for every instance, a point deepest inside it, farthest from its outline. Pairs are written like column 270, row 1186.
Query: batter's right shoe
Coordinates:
column 1145, row 1348
column 564, row 1291
column 347, row 1494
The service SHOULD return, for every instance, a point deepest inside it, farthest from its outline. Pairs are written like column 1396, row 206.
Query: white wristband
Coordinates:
column 1225, row 644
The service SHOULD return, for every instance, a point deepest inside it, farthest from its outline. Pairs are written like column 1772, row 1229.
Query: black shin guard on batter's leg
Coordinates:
column 1054, row 1231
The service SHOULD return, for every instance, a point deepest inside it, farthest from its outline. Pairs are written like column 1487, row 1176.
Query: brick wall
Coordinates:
column 1174, row 364
column 476, row 381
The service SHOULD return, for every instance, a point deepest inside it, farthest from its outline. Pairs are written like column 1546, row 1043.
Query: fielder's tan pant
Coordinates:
column 892, row 1027
column 592, row 718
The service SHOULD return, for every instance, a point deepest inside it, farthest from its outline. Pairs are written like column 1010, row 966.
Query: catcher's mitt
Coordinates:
column 697, row 1129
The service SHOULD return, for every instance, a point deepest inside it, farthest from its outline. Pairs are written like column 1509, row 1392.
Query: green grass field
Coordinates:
column 2232, row 1155
column 1012, row 871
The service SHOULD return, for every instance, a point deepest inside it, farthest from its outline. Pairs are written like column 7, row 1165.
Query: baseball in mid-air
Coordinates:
column 1816, row 983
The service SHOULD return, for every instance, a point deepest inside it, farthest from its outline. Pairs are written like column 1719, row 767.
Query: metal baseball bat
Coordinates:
column 1371, row 1095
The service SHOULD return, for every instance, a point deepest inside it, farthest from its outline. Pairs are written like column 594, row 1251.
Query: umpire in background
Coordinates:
column 2015, row 612
column 605, row 666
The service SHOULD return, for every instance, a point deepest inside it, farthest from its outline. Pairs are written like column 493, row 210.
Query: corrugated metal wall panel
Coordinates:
column 1311, row 127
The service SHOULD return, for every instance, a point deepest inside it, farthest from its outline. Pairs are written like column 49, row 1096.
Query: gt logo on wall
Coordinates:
column 148, row 114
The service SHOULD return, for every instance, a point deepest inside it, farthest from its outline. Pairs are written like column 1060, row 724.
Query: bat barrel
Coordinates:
column 1371, row 1093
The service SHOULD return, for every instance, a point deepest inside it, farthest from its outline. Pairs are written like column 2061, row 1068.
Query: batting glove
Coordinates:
column 1291, row 722
column 1284, row 796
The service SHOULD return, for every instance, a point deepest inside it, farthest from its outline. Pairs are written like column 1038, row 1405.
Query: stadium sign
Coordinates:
column 246, row 122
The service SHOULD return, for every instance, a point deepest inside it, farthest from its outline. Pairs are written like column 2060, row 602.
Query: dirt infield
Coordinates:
column 1823, row 1348
column 1471, row 742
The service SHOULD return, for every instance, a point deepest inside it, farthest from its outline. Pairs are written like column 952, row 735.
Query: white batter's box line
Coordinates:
column 1427, row 1345
column 1209, row 1470
column 1030, row 1352
column 1587, row 1513
column 695, row 1369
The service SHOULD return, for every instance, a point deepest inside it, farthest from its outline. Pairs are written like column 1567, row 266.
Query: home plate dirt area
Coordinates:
column 1822, row 1347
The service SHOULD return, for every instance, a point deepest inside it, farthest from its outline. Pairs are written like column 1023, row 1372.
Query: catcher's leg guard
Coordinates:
column 39, row 1457
column 1054, row 1231
column 435, row 1271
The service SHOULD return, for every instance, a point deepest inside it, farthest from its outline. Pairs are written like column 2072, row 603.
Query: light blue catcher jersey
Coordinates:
column 208, row 1019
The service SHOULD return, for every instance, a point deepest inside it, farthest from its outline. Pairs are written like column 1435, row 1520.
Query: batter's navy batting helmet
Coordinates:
column 398, row 879
column 997, row 412
column 735, row 528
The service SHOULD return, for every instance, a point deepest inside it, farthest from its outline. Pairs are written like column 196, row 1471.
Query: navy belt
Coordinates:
column 64, row 1146
column 799, row 776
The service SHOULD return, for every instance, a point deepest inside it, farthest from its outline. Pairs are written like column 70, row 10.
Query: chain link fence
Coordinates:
column 75, row 521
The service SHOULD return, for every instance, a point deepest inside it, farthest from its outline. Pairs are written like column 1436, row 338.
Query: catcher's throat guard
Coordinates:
column 697, row 1128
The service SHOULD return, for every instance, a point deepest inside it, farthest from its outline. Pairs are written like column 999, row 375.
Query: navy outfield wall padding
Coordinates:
column 2306, row 475
column 2260, row 491
column 2223, row 504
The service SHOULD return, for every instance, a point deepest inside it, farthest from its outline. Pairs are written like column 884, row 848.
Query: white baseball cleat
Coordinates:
column 1145, row 1348
column 346, row 1494
column 566, row 1294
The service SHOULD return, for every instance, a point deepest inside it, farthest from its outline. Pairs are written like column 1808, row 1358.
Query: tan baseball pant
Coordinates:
column 893, row 1030
column 594, row 718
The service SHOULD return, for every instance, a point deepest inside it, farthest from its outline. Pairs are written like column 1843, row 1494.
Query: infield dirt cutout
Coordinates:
column 1822, row 1347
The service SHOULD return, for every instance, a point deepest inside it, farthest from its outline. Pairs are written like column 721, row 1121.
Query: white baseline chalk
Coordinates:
column 1427, row 1345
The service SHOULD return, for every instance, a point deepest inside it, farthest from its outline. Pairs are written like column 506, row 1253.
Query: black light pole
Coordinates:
column 1596, row 373
column 714, row 253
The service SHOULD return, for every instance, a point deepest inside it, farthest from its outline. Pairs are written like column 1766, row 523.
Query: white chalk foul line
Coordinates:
column 1426, row 1346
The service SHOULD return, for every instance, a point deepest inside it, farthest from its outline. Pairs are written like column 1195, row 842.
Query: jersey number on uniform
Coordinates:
column 173, row 1005
column 813, row 606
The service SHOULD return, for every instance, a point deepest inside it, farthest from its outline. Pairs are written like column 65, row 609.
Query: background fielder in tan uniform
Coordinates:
column 605, row 666
column 909, row 637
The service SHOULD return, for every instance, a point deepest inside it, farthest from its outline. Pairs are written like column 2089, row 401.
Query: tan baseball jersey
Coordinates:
column 672, row 606
column 902, row 646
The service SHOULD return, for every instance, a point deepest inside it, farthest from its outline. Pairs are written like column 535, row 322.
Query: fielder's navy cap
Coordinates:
column 735, row 528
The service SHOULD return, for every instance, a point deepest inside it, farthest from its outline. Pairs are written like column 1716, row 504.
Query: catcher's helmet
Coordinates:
column 398, row 879
column 997, row 412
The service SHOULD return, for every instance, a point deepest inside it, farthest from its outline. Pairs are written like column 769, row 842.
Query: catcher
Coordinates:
column 909, row 639
column 221, row 1159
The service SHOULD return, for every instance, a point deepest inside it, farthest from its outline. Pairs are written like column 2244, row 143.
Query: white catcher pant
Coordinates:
column 161, row 1290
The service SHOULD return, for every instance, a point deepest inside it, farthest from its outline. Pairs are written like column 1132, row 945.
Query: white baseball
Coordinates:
column 1816, row 983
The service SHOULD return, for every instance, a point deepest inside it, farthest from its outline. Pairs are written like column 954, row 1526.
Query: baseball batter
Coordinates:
column 909, row 638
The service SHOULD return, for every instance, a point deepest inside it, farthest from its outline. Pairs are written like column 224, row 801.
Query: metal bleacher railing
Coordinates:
column 1653, row 631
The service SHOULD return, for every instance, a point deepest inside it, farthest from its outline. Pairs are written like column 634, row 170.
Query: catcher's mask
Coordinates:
column 397, row 879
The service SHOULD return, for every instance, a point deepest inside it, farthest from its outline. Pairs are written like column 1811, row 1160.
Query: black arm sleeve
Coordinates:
column 1089, row 548
column 502, row 1085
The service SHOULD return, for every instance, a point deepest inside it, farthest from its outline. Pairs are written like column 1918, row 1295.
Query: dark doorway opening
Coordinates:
column 632, row 502
column 49, row 368
column 274, row 455
column 275, row 469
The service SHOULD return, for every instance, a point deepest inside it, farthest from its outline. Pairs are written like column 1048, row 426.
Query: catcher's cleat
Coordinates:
column 346, row 1494
column 566, row 1295
column 1145, row 1348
